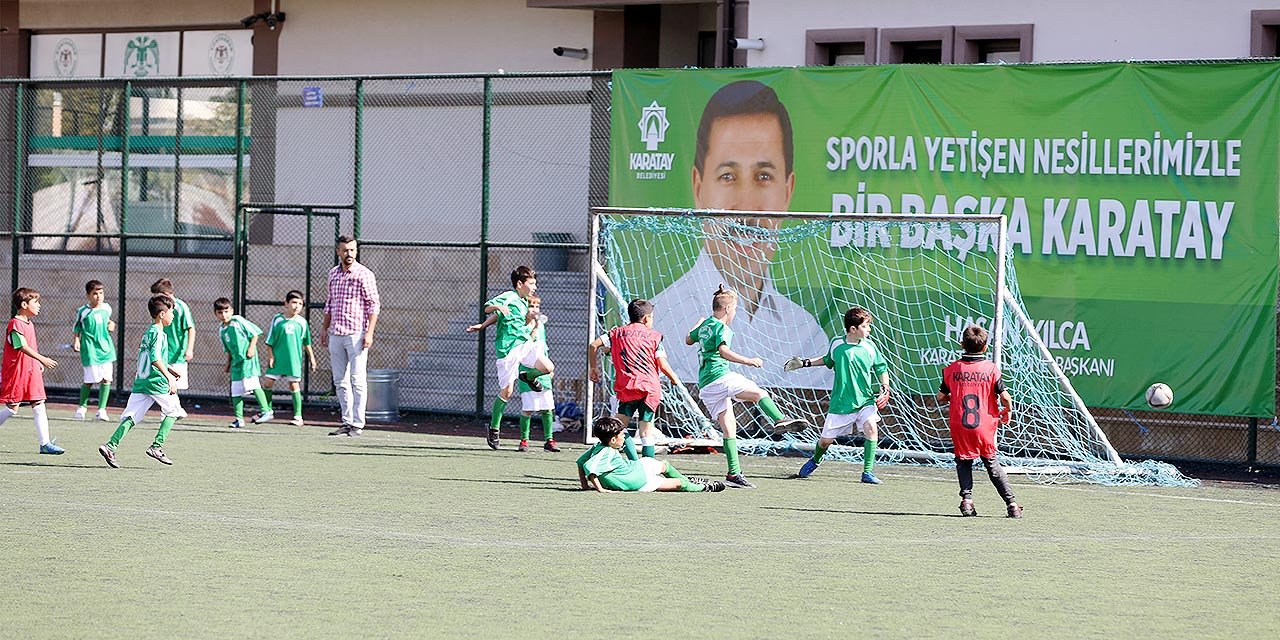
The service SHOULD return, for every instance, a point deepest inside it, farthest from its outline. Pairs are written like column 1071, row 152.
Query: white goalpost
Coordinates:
column 923, row 278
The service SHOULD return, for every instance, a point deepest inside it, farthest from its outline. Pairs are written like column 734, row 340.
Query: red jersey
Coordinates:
column 634, row 349
column 975, row 386
column 21, row 377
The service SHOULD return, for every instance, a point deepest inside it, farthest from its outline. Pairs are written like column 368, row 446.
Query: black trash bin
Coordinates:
column 551, row 258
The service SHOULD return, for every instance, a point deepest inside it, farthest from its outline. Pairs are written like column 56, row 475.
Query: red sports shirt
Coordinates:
column 21, row 377
column 974, row 385
column 634, row 349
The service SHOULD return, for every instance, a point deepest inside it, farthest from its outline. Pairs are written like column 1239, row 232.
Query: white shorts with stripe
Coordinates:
column 525, row 353
column 140, row 403
column 537, row 401
column 718, row 396
column 653, row 468
column 95, row 373
column 183, row 381
column 245, row 387
column 843, row 424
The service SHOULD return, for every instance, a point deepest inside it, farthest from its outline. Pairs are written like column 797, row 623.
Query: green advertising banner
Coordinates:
column 1142, row 199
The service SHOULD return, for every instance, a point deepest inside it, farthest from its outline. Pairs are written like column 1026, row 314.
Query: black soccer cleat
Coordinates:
column 492, row 439
column 737, row 481
column 967, row 509
column 714, row 486
column 790, row 425
column 1015, row 510
column 530, row 378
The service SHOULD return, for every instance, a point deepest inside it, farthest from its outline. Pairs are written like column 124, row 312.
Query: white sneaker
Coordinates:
column 80, row 411
column 102, row 415
column 296, row 421
column 264, row 417
column 182, row 413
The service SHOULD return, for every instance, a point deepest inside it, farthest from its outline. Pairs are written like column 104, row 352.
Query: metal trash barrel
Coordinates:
column 384, row 396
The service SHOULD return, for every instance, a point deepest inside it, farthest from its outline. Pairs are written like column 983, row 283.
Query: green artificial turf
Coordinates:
column 281, row 532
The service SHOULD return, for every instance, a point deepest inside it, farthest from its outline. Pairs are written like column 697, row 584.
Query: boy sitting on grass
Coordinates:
column 604, row 469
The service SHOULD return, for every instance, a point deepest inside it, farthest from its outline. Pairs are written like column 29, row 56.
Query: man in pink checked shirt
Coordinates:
column 350, row 315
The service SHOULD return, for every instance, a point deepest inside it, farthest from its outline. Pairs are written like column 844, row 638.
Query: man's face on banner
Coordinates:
column 745, row 170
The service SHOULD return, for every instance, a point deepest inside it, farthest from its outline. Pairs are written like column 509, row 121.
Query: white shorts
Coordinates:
column 245, row 387
column 843, row 424
column 183, row 382
column 95, row 373
column 290, row 379
column 537, row 401
column 509, row 367
column 653, row 468
column 718, row 396
column 140, row 403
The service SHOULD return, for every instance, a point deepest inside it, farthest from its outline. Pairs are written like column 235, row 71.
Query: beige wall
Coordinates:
column 110, row 14
column 1080, row 30
column 412, row 36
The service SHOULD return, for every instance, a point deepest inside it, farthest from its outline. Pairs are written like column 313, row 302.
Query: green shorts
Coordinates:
column 636, row 409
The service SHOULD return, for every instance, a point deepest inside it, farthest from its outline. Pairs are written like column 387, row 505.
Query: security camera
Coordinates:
column 274, row 19
column 748, row 44
column 249, row 20
column 570, row 52
column 271, row 18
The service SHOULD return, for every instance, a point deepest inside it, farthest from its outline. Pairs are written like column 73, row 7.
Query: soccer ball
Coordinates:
column 1159, row 395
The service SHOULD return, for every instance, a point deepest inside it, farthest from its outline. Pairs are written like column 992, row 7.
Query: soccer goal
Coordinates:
column 923, row 277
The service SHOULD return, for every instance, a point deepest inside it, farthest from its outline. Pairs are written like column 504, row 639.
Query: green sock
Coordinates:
column 685, row 485
column 731, row 455
column 525, row 419
column 297, row 404
column 125, row 426
column 648, row 451
column 264, row 405
column 868, row 455
column 769, row 408
column 165, row 426
column 548, row 426
column 104, row 393
column 84, row 395
column 629, row 448
column 818, row 452
column 237, row 405
column 495, row 417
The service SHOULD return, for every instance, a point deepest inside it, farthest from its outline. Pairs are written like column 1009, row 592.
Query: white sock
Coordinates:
column 42, row 423
column 6, row 413
column 648, row 442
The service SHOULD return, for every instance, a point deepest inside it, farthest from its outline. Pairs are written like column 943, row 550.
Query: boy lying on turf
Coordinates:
column 604, row 469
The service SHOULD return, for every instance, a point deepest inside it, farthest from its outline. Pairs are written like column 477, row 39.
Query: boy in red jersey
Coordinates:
column 638, row 356
column 972, row 385
column 22, row 369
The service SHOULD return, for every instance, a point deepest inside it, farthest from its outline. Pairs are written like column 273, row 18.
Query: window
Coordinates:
column 840, row 47
column 1264, row 34
column 917, row 45
column 993, row 43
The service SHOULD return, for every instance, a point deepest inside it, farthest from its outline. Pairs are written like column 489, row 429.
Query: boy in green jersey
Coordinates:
column 855, row 399
column 539, row 402
column 604, row 469
column 180, row 335
column 152, row 383
column 718, row 387
column 240, row 341
column 512, row 346
column 91, row 338
column 287, row 339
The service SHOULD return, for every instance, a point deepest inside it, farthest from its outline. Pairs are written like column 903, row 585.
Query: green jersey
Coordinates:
column 236, row 335
column 538, row 335
column 857, row 369
column 92, row 325
column 615, row 471
column 176, row 332
column 709, row 336
column 288, row 339
column 512, row 328
column 148, row 379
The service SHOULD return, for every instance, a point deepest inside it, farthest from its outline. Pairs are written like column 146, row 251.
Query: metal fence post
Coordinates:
column 237, row 285
column 484, row 237
column 19, row 160
column 124, row 227
column 358, row 187
column 1252, row 455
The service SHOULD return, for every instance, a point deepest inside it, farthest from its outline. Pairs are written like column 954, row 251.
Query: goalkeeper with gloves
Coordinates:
column 856, row 362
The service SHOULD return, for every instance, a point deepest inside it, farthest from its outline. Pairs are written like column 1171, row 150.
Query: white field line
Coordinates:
column 322, row 527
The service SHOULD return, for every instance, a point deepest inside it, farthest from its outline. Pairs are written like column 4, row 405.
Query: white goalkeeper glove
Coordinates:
column 796, row 362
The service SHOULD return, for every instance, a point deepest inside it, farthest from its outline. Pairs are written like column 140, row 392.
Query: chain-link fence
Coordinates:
column 238, row 188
